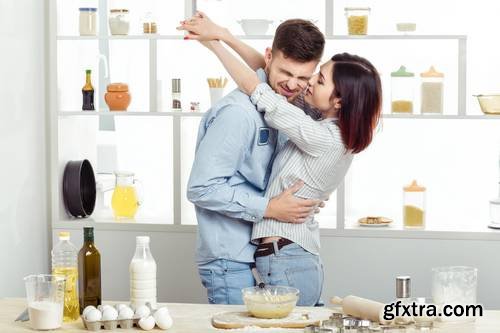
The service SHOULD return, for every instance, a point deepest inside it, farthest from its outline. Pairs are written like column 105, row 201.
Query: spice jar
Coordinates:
column 176, row 95
column 414, row 206
column 402, row 89
column 432, row 91
column 195, row 107
column 88, row 21
column 118, row 98
column 357, row 20
column 119, row 22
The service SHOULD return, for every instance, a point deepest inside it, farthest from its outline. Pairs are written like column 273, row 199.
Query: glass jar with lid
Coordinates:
column 432, row 91
column 119, row 22
column 357, row 20
column 88, row 21
column 402, row 91
column 414, row 206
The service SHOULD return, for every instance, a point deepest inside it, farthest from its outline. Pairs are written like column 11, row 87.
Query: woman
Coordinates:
column 346, row 93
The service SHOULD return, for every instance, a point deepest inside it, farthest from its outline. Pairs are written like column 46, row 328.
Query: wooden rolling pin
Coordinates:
column 362, row 308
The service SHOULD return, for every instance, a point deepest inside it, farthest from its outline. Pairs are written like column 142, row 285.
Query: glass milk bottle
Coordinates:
column 402, row 91
column 432, row 91
column 414, row 206
column 142, row 274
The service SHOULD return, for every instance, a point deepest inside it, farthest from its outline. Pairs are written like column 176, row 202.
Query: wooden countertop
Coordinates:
column 194, row 318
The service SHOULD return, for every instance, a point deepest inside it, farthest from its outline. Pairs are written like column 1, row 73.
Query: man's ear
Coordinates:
column 268, row 56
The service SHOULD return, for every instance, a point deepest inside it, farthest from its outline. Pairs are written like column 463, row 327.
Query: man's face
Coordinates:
column 286, row 76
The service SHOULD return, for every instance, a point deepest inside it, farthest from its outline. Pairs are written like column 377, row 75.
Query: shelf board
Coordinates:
column 269, row 37
column 129, row 114
column 200, row 114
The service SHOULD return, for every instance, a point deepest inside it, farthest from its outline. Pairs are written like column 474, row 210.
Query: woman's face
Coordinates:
column 319, row 92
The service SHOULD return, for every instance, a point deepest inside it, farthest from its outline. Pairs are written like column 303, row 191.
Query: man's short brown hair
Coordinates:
column 300, row 40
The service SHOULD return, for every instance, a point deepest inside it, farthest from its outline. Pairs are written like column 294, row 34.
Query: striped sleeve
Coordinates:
column 310, row 136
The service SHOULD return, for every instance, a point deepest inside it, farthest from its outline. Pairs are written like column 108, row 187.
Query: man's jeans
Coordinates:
column 295, row 267
column 224, row 280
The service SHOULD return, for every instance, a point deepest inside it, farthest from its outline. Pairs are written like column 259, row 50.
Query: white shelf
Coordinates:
column 480, row 232
column 268, row 37
column 200, row 114
column 129, row 114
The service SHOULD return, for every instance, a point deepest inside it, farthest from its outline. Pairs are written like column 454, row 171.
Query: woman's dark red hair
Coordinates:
column 357, row 84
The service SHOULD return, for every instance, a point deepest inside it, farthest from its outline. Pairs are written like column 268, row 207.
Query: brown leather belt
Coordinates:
column 266, row 249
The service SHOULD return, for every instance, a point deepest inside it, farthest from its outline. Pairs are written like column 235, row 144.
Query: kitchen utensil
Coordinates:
column 296, row 319
column 79, row 188
column 117, row 97
column 454, row 285
column 45, row 297
column 253, row 27
column 361, row 308
column 270, row 302
column 490, row 104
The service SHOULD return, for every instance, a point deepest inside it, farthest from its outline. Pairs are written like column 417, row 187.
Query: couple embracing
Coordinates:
column 271, row 152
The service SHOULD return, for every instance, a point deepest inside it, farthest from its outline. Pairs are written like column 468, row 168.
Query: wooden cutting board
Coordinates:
column 299, row 318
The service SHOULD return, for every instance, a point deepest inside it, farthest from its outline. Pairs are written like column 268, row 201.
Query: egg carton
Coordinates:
column 110, row 324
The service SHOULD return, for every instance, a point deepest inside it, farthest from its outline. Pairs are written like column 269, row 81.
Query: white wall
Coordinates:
column 24, row 233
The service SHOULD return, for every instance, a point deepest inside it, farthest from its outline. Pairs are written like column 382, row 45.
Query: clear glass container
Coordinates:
column 149, row 25
column 454, row 285
column 431, row 89
column 357, row 20
column 402, row 91
column 88, row 21
column 125, row 200
column 414, row 206
column 119, row 21
column 142, row 270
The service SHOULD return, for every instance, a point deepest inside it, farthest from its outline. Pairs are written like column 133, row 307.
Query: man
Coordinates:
column 233, row 161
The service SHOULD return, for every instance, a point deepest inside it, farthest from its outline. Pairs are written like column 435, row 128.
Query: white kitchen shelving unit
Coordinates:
column 158, row 224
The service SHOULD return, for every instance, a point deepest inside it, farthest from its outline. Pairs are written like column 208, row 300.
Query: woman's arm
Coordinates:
column 246, row 79
column 200, row 27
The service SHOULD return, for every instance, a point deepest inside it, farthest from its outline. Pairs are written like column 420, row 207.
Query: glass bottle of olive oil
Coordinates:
column 88, row 93
column 89, row 271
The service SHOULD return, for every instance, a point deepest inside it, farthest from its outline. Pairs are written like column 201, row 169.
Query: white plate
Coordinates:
column 374, row 225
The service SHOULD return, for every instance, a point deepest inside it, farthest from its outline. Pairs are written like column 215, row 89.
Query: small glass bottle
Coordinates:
column 88, row 93
column 414, row 206
column 403, row 295
column 402, row 91
column 176, row 95
column 432, row 91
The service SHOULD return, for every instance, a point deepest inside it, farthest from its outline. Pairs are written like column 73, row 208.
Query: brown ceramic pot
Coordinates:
column 117, row 97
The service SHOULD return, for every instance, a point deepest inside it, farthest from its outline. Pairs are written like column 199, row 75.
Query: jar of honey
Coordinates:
column 414, row 206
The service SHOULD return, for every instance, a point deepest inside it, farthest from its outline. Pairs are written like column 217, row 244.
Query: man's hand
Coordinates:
column 288, row 208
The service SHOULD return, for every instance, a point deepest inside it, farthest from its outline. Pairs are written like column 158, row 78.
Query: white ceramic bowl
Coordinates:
column 255, row 27
column 270, row 302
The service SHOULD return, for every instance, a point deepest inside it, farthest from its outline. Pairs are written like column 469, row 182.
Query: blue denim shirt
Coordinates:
column 231, row 169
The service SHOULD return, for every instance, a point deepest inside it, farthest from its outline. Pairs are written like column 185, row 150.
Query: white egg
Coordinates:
column 162, row 311
column 164, row 321
column 93, row 315
column 120, row 306
column 126, row 313
column 87, row 309
column 109, row 313
column 142, row 311
column 147, row 323
column 103, row 307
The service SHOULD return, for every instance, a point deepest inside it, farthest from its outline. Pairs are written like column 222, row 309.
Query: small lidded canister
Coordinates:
column 414, row 206
column 432, row 91
column 402, row 91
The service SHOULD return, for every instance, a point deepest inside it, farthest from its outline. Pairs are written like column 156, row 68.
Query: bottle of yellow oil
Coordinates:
column 65, row 263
